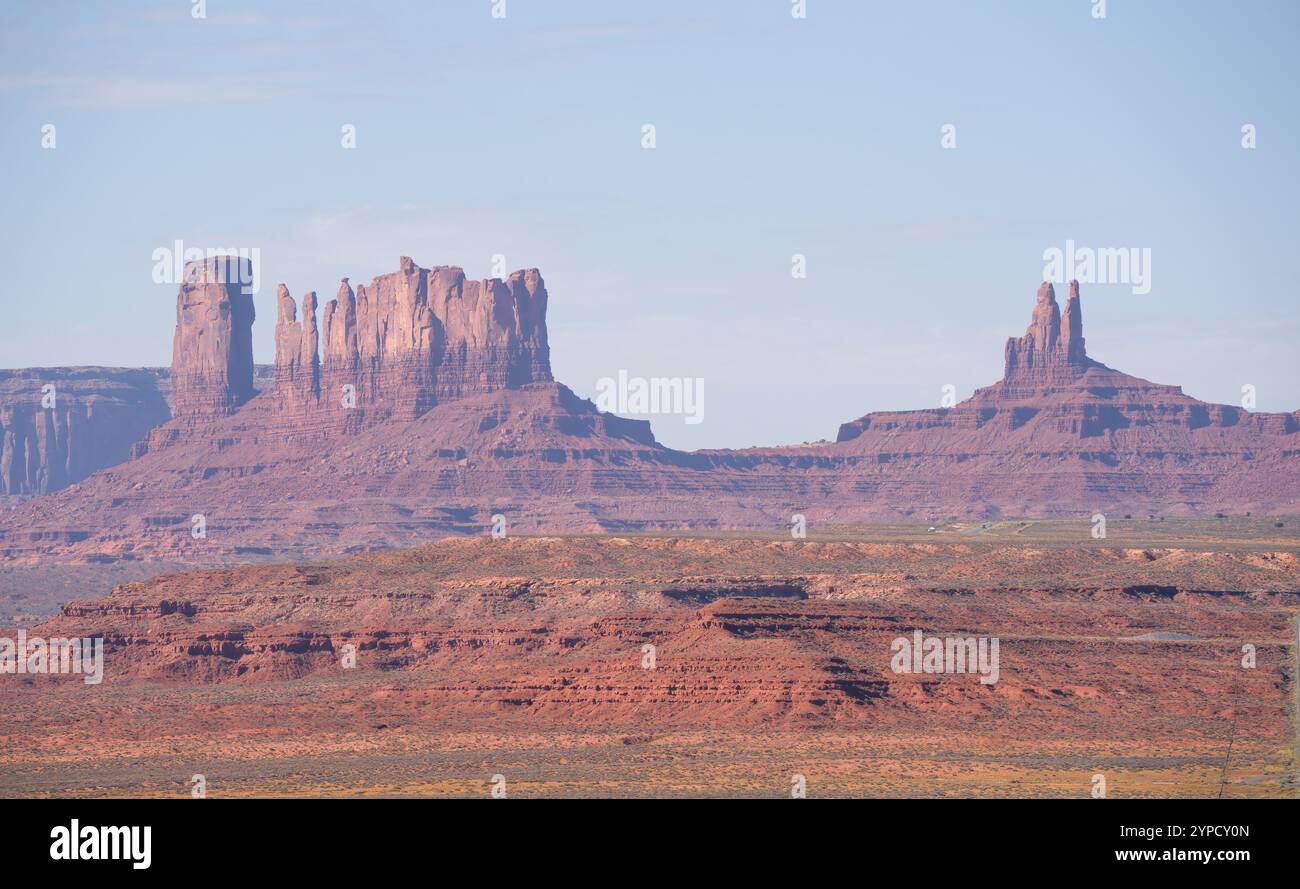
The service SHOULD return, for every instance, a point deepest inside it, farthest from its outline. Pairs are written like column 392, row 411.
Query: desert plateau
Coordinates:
column 525, row 658
column 461, row 579
column 776, row 399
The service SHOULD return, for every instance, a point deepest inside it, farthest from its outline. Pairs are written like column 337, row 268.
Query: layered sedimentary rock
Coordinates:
column 643, row 666
column 412, row 339
column 650, row 667
column 456, row 419
column 58, row 425
column 538, row 597
column 1052, row 349
column 297, row 356
column 1062, row 431
column 212, row 349
column 1051, row 391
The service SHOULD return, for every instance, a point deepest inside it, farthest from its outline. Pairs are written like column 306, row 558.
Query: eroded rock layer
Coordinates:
column 59, row 425
column 412, row 339
column 635, row 666
column 212, row 349
column 423, row 404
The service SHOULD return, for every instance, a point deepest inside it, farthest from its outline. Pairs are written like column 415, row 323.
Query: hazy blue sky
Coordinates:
column 522, row 136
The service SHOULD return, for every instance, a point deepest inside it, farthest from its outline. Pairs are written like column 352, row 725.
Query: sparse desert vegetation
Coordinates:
column 525, row 657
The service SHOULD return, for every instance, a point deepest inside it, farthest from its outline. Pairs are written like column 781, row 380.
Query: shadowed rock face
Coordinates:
column 94, row 417
column 212, row 349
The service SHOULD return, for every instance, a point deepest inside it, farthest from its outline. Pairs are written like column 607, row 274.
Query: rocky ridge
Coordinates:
column 455, row 417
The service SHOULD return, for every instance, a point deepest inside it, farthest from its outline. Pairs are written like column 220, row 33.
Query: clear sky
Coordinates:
column 821, row 136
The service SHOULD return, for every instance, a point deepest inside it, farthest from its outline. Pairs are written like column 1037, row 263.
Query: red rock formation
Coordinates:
column 1048, row 353
column 297, row 363
column 645, row 666
column 1072, row 329
column 212, row 350
column 413, row 339
column 97, row 414
column 1061, row 435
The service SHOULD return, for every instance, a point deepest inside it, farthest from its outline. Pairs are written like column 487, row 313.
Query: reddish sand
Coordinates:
column 525, row 658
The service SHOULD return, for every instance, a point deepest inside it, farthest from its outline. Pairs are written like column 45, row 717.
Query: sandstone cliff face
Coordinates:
column 412, row 339
column 389, row 351
column 212, row 350
column 297, row 359
column 1052, row 349
column 95, row 415
column 1062, row 435
column 1051, row 393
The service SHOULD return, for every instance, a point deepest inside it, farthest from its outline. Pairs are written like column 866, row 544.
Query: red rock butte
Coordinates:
column 412, row 339
column 423, row 403
column 212, row 363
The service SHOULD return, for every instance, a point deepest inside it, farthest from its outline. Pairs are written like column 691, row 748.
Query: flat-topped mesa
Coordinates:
column 1052, row 349
column 414, row 338
column 212, row 350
